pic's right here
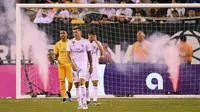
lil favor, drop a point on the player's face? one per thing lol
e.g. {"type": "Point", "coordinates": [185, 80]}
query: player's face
{"type": "Point", "coordinates": [76, 33]}
{"type": "Point", "coordinates": [90, 37]}
{"type": "Point", "coordinates": [63, 34]}
{"type": "Point", "coordinates": [140, 36]}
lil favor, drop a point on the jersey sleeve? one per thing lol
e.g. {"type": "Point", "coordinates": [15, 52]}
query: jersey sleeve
{"type": "Point", "coordinates": [56, 51]}
{"type": "Point", "coordinates": [88, 46]}
{"type": "Point", "coordinates": [69, 43]}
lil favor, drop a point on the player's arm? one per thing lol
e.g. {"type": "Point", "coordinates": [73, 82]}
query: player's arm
{"type": "Point", "coordinates": [100, 47]}
{"type": "Point", "coordinates": [56, 52]}
{"type": "Point", "coordinates": [89, 54]}
{"type": "Point", "coordinates": [190, 51]}
{"type": "Point", "coordinates": [190, 54]}
{"type": "Point", "coordinates": [90, 61]}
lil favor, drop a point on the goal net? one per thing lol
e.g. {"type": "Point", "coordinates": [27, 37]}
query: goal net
{"type": "Point", "coordinates": [116, 27]}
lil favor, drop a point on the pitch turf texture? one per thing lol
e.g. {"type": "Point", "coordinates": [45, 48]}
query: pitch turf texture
{"type": "Point", "coordinates": [106, 105]}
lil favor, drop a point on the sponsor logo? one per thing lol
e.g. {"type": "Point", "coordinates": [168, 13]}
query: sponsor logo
{"type": "Point", "coordinates": [153, 86]}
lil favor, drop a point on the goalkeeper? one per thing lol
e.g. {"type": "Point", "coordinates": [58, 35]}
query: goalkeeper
{"type": "Point", "coordinates": [64, 67]}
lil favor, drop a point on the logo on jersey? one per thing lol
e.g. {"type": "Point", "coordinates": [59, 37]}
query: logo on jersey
{"type": "Point", "coordinates": [73, 42]}
{"type": "Point", "coordinates": [82, 45]}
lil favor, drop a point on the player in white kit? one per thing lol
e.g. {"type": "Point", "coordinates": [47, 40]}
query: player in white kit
{"type": "Point", "coordinates": [79, 53]}
{"type": "Point", "coordinates": [95, 48]}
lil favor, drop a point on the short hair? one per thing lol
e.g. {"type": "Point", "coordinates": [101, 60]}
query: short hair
{"type": "Point", "coordinates": [76, 27]}
{"type": "Point", "coordinates": [183, 38]}
{"type": "Point", "coordinates": [141, 32]}
{"type": "Point", "coordinates": [62, 29]}
{"type": "Point", "coordinates": [92, 32]}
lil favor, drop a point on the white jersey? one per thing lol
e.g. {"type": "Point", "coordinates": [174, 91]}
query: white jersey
{"type": "Point", "coordinates": [79, 49]}
{"type": "Point", "coordinates": [94, 52]}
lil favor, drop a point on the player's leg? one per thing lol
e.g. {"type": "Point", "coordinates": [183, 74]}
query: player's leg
{"type": "Point", "coordinates": [70, 81]}
{"type": "Point", "coordinates": [61, 74]}
{"type": "Point", "coordinates": [78, 95]}
{"type": "Point", "coordinates": [82, 77]}
{"type": "Point", "coordinates": [87, 87]}
{"type": "Point", "coordinates": [95, 78]}
{"type": "Point", "coordinates": [95, 91]}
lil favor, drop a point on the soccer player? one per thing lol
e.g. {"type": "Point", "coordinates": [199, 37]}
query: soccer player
{"type": "Point", "coordinates": [79, 53]}
{"type": "Point", "coordinates": [64, 67]}
{"type": "Point", "coordinates": [185, 51]}
{"type": "Point", "coordinates": [96, 46]}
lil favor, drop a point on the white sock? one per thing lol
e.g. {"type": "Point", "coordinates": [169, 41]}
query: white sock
{"type": "Point", "coordinates": [78, 96]}
{"type": "Point", "coordinates": [87, 94]}
{"type": "Point", "coordinates": [95, 93]}
{"type": "Point", "coordinates": [83, 92]}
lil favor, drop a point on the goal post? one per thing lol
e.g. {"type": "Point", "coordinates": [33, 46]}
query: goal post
{"type": "Point", "coordinates": [19, 31]}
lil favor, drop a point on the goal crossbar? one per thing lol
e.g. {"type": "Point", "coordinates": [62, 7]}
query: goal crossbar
{"type": "Point", "coordinates": [177, 5]}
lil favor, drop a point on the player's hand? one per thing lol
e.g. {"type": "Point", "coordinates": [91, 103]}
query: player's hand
{"type": "Point", "coordinates": [91, 69]}
{"type": "Point", "coordinates": [94, 38]}
{"type": "Point", "coordinates": [74, 67]}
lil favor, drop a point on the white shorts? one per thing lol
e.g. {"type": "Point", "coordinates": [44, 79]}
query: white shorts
{"type": "Point", "coordinates": [93, 76]}
{"type": "Point", "coordinates": [80, 74]}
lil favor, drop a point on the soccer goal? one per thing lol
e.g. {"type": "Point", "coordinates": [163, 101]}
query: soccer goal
{"type": "Point", "coordinates": [116, 26]}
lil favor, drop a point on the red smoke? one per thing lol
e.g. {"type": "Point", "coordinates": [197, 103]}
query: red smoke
{"type": "Point", "coordinates": [174, 77]}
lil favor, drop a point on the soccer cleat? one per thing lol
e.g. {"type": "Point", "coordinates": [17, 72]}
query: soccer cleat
{"type": "Point", "coordinates": [85, 106]}
{"type": "Point", "coordinates": [64, 100]}
{"type": "Point", "coordinates": [69, 96]}
{"type": "Point", "coordinates": [79, 107]}
{"type": "Point", "coordinates": [88, 102]}
{"type": "Point", "coordinates": [95, 103]}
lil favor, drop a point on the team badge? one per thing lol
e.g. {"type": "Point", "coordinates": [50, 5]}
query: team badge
{"type": "Point", "coordinates": [73, 42]}
{"type": "Point", "coordinates": [82, 45]}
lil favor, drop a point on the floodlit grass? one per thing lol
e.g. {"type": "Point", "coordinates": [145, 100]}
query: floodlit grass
{"type": "Point", "coordinates": [106, 105]}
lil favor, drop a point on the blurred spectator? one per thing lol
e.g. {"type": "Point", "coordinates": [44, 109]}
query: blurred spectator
{"type": "Point", "coordinates": [191, 13]}
{"type": "Point", "coordinates": [103, 19]}
{"type": "Point", "coordinates": [138, 19]}
{"type": "Point", "coordinates": [135, 1]}
{"type": "Point", "coordinates": [110, 12]}
{"type": "Point", "coordinates": [95, 1]}
{"type": "Point", "coordinates": [122, 18]}
{"type": "Point", "coordinates": [76, 18]}
{"type": "Point", "coordinates": [139, 11]}
{"type": "Point", "coordinates": [44, 16]}
{"type": "Point", "coordinates": [126, 11]}
{"type": "Point", "coordinates": [156, 12]}
{"type": "Point", "coordinates": [61, 2]}
{"type": "Point", "coordinates": [181, 11]}
{"type": "Point", "coordinates": [175, 14]}
{"type": "Point", "coordinates": [141, 49]}
{"type": "Point", "coordinates": [63, 15]}
{"type": "Point", "coordinates": [141, 1]}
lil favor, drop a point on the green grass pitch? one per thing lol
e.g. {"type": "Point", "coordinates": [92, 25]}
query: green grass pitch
{"type": "Point", "coordinates": [106, 105]}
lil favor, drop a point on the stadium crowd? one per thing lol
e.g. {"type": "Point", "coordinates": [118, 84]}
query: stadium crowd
{"type": "Point", "coordinates": [113, 15]}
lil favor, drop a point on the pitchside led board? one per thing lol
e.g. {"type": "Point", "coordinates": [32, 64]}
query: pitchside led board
{"type": "Point", "coordinates": [146, 79]}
